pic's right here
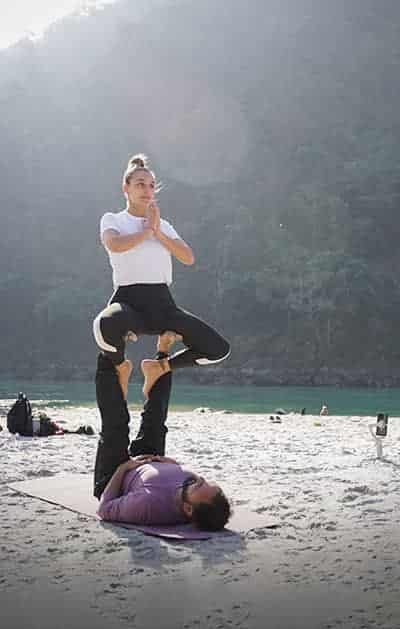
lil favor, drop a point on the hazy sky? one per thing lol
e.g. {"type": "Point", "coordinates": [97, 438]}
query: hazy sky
{"type": "Point", "coordinates": [19, 17]}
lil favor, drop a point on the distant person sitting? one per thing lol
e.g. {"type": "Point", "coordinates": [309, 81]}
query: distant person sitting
{"type": "Point", "coordinates": [324, 410]}
{"type": "Point", "coordinates": [148, 488]}
{"type": "Point", "coordinates": [21, 421]}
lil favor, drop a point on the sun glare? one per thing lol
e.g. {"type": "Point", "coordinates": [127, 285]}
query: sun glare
{"type": "Point", "coordinates": [24, 18]}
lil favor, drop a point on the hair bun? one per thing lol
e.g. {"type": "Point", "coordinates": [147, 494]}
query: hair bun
{"type": "Point", "coordinates": [138, 160]}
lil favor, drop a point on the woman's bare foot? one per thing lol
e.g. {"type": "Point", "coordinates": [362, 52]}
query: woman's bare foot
{"type": "Point", "coordinates": [152, 371]}
{"type": "Point", "coordinates": [124, 371]}
{"type": "Point", "coordinates": [166, 340]}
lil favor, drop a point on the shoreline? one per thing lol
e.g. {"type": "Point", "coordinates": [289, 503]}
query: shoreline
{"type": "Point", "coordinates": [248, 399]}
{"type": "Point", "coordinates": [53, 406]}
{"type": "Point", "coordinates": [257, 376]}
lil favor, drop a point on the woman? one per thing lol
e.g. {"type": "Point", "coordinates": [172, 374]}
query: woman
{"type": "Point", "coordinates": [140, 245]}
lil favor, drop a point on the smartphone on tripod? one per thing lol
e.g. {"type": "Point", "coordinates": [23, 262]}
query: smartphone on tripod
{"type": "Point", "coordinates": [382, 424]}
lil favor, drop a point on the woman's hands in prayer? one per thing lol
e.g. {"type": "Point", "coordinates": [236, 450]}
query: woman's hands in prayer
{"type": "Point", "coordinates": [153, 218]}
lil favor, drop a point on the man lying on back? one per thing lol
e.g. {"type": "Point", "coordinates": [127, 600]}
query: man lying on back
{"type": "Point", "coordinates": [137, 483]}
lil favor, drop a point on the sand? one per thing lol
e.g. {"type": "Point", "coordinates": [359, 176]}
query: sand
{"type": "Point", "coordinates": [333, 562]}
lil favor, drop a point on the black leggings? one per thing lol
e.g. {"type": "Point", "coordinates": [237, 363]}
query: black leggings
{"type": "Point", "coordinates": [113, 447]}
{"type": "Point", "coordinates": [150, 309]}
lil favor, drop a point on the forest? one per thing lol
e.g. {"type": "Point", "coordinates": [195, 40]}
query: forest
{"type": "Point", "coordinates": [274, 129]}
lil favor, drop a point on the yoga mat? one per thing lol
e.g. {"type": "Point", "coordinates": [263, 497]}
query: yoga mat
{"type": "Point", "coordinates": [74, 492]}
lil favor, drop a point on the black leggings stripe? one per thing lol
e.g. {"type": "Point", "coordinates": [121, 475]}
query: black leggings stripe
{"type": "Point", "coordinates": [150, 309]}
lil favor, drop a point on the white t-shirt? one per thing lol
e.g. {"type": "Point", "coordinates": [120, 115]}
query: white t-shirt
{"type": "Point", "coordinates": [146, 263]}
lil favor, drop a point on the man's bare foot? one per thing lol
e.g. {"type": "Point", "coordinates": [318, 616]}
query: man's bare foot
{"type": "Point", "coordinates": [124, 371]}
{"type": "Point", "coordinates": [152, 371]}
{"type": "Point", "coordinates": [166, 341]}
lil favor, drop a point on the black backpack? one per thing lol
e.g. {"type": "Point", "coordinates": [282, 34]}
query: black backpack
{"type": "Point", "coordinates": [19, 417]}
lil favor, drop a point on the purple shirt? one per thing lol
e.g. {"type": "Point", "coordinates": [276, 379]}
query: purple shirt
{"type": "Point", "coordinates": [148, 496]}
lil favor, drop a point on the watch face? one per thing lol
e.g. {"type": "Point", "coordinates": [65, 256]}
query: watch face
{"type": "Point", "coordinates": [381, 425]}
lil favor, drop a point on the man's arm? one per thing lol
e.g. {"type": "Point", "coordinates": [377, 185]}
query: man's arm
{"type": "Point", "coordinates": [134, 508]}
{"type": "Point", "coordinates": [113, 487]}
{"type": "Point", "coordinates": [117, 508]}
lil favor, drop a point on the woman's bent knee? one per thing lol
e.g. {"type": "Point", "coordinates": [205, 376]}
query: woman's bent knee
{"type": "Point", "coordinates": [110, 328]}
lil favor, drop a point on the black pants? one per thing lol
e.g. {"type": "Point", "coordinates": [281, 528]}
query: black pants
{"type": "Point", "coordinates": [150, 309]}
{"type": "Point", "coordinates": [113, 448]}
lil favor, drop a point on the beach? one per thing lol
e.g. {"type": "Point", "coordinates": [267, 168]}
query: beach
{"type": "Point", "coordinates": [334, 560]}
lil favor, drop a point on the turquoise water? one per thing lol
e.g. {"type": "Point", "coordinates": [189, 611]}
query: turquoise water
{"type": "Point", "coordinates": [241, 399]}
